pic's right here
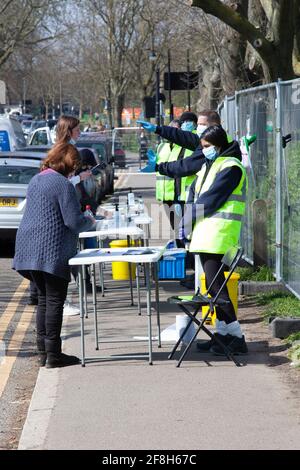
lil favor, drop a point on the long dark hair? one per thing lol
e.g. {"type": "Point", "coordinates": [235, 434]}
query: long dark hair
{"type": "Point", "coordinates": [216, 136]}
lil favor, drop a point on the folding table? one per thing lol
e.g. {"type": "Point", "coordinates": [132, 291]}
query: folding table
{"type": "Point", "coordinates": [96, 256]}
{"type": "Point", "coordinates": [109, 229]}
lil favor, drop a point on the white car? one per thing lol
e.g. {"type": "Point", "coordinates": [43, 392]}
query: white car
{"type": "Point", "coordinates": [42, 136]}
{"type": "Point", "coordinates": [15, 174]}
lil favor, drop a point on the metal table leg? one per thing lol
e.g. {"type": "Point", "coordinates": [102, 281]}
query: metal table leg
{"type": "Point", "coordinates": [138, 288]}
{"type": "Point", "coordinates": [130, 274]}
{"type": "Point", "coordinates": [147, 275]}
{"type": "Point", "coordinates": [155, 271]}
{"type": "Point", "coordinates": [84, 291]}
{"type": "Point", "coordinates": [81, 304]}
{"type": "Point", "coordinates": [93, 273]}
{"type": "Point", "coordinates": [81, 242]}
{"type": "Point", "coordinates": [101, 270]}
{"type": "Point", "coordinates": [146, 234]}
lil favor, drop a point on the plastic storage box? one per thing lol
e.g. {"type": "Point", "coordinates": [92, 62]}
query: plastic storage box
{"type": "Point", "coordinates": [172, 265]}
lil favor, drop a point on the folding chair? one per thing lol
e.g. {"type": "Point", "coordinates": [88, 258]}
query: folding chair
{"type": "Point", "coordinates": [197, 301]}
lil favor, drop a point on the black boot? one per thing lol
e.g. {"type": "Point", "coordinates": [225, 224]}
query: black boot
{"type": "Point", "coordinates": [60, 360]}
{"type": "Point", "coordinates": [42, 355]}
{"type": "Point", "coordinates": [205, 346]}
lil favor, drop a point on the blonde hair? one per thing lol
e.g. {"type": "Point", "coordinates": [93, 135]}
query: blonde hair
{"type": "Point", "coordinates": [63, 158]}
{"type": "Point", "coordinates": [64, 128]}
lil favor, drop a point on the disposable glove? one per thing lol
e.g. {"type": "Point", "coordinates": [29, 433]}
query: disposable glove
{"type": "Point", "coordinates": [150, 168]}
{"type": "Point", "coordinates": [178, 210]}
{"type": "Point", "coordinates": [151, 156]}
{"type": "Point", "coordinates": [147, 125]}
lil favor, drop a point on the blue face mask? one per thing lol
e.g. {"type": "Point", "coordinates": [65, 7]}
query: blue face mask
{"type": "Point", "coordinates": [210, 152]}
{"type": "Point", "coordinates": [188, 126]}
{"type": "Point", "coordinates": [72, 141]}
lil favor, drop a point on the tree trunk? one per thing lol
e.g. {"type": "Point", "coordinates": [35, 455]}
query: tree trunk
{"type": "Point", "coordinates": [46, 110]}
{"type": "Point", "coordinates": [118, 109]}
{"type": "Point", "coordinates": [210, 87]}
{"type": "Point", "coordinates": [276, 52]}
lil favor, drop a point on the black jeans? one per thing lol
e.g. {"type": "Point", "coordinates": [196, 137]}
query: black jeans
{"type": "Point", "coordinates": [211, 263]}
{"type": "Point", "coordinates": [52, 293]}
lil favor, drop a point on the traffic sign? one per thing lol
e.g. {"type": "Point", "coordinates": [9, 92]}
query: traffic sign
{"type": "Point", "coordinates": [181, 80]}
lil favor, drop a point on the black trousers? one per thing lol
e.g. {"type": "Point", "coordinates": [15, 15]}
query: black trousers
{"type": "Point", "coordinates": [211, 263]}
{"type": "Point", "coordinates": [33, 291]}
{"type": "Point", "coordinates": [52, 293]}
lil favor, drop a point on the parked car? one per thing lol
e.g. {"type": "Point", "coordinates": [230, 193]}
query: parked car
{"type": "Point", "coordinates": [101, 144]}
{"type": "Point", "coordinates": [119, 154]}
{"type": "Point", "coordinates": [42, 136]}
{"type": "Point", "coordinates": [36, 123]}
{"type": "Point", "coordinates": [37, 148]}
{"type": "Point", "coordinates": [15, 174]}
{"type": "Point", "coordinates": [95, 185]}
{"type": "Point", "coordinates": [25, 117]}
{"type": "Point", "coordinates": [11, 134]}
{"type": "Point", "coordinates": [26, 127]}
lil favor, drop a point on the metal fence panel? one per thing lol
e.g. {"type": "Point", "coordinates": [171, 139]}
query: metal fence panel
{"type": "Point", "coordinates": [272, 112]}
{"type": "Point", "coordinates": [290, 189]}
{"type": "Point", "coordinates": [257, 115]}
{"type": "Point", "coordinates": [231, 124]}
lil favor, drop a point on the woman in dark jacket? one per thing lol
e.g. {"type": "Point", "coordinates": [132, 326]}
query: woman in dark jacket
{"type": "Point", "coordinates": [46, 240]}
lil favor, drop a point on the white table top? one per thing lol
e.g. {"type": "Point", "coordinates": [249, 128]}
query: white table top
{"type": "Point", "coordinates": [142, 219]}
{"type": "Point", "coordinates": [103, 255]}
{"type": "Point", "coordinates": [113, 231]}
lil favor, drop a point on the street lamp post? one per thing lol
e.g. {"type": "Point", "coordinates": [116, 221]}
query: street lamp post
{"type": "Point", "coordinates": [169, 86]}
{"type": "Point", "coordinates": [157, 100]}
{"type": "Point", "coordinates": [60, 98]}
{"type": "Point", "coordinates": [153, 58]}
{"type": "Point", "coordinates": [24, 96]}
{"type": "Point", "coordinates": [188, 80]}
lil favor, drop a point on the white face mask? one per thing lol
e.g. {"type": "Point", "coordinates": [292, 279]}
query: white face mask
{"type": "Point", "coordinates": [200, 129]}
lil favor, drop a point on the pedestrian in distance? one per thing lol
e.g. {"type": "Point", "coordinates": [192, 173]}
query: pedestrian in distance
{"type": "Point", "coordinates": [68, 131]}
{"type": "Point", "coordinates": [220, 190]}
{"type": "Point", "coordinates": [46, 239]}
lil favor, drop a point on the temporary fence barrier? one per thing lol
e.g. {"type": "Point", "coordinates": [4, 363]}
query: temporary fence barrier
{"type": "Point", "coordinates": [272, 112]}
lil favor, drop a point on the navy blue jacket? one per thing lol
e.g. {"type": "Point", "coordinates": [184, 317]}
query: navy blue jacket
{"type": "Point", "coordinates": [187, 166]}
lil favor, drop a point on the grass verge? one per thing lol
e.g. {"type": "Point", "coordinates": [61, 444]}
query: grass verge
{"type": "Point", "coordinates": [278, 304]}
{"type": "Point", "coordinates": [263, 274]}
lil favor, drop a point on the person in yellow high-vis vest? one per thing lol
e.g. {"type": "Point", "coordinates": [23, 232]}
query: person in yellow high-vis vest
{"type": "Point", "coordinates": [164, 190]}
{"type": "Point", "coordinates": [213, 224]}
{"type": "Point", "coordinates": [172, 191]}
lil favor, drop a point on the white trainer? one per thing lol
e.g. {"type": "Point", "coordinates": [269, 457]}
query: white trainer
{"type": "Point", "coordinates": [70, 309]}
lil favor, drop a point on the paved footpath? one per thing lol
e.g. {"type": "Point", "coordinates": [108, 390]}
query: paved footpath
{"type": "Point", "coordinates": [207, 403]}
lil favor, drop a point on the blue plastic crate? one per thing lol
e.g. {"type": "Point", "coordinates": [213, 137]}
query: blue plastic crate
{"type": "Point", "coordinates": [172, 266]}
